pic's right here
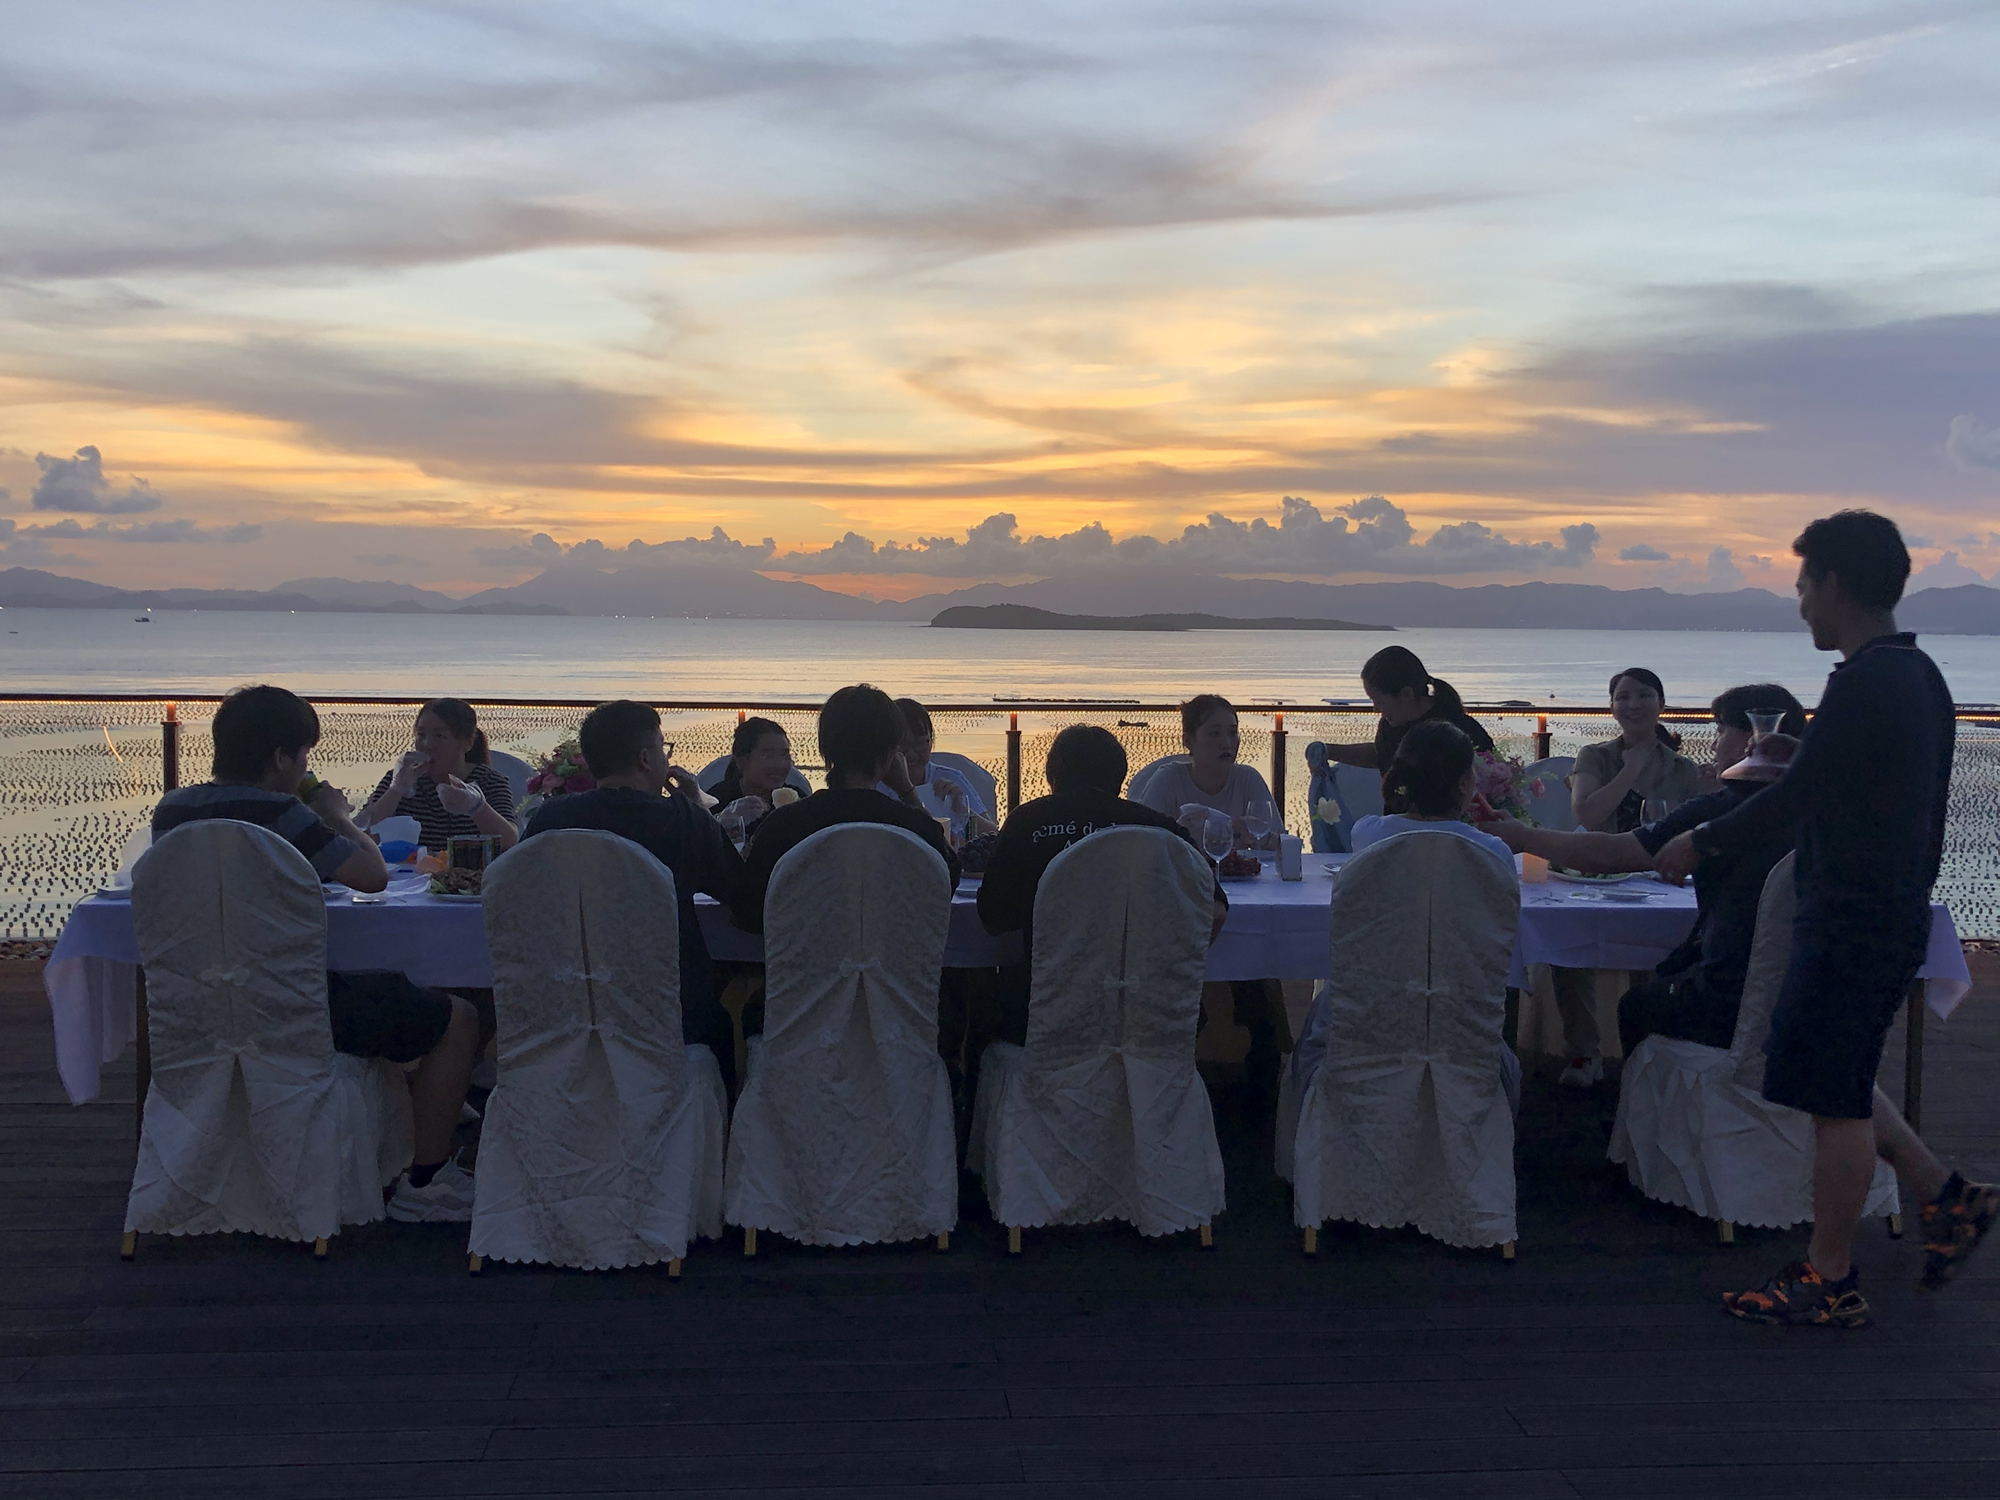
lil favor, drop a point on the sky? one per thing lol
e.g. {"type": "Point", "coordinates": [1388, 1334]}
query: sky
{"type": "Point", "coordinates": [904, 297]}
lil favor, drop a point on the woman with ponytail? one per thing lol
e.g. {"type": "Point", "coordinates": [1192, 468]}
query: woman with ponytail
{"type": "Point", "coordinates": [1405, 694]}
{"type": "Point", "coordinates": [444, 782]}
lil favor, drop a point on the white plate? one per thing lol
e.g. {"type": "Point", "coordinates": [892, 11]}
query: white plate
{"type": "Point", "coordinates": [1593, 879]}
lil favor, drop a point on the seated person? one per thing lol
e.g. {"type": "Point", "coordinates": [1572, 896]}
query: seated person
{"type": "Point", "coordinates": [1086, 769]}
{"type": "Point", "coordinates": [445, 783]}
{"type": "Point", "coordinates": [1212, 776]}
{"type": "Point", "coordinates": [1695, 993]}
{"type": "Point", "coordinates": [263, 738]}
{"type": "Point", "coordinates": [760, 761]}
{"type": "Point", "coordinates": [1429, 788]}
{"type": "Point", "coordinates": [861, 741]}
{"type": "Point", "coordinates": [622, 745]}
{"type": "Point", "coordinates": [944, 791]}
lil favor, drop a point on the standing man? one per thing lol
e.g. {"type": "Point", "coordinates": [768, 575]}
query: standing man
{"type": "Point", "coordinates": [1866, 800]}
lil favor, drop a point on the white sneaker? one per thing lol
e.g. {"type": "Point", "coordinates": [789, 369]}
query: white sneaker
{"type": "Point", "coordinates": [445, 1199]}
{"type": "Point", "coordinates": [1582, 1073]}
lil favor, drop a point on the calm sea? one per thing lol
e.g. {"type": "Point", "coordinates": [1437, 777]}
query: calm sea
{"type": "Point", "coordinates": [85, 651]}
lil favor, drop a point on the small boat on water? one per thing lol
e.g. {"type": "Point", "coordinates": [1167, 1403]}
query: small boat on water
{"type": "Point", "coordinates": [142, 619]}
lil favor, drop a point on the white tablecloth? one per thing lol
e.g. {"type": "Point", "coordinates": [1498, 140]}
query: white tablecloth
{"type": "Point", "coordinates": [1277, 930]}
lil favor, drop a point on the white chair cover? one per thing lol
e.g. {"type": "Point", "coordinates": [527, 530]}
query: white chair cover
{"type": "Point", "coordinates": [1553, 808]}
{"type": "Point", "coordinates": [1358, 790]}
{"type": "Point", "coordinates": [1135, 789]}
{"type": "Point", "coordinates": [602, 1145]}
{"type": "Point", "coordinates": [977, 776]}
{"type": "Point", "coordinates": [253, 1122]}
{"type": "Point", "coordinates": [1102, 1115]}
{"type": "Point", "coordinates": [1398, 1084]}
{"type": "Point", "coordinates": [843, 1134]}
{"type": "Point", "coordinates": [516, 772]}
{"type": "Point", "coordinates": [1693, 1126]}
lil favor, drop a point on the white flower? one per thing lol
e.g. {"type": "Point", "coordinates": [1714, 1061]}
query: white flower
{"type": "Point", "coordinates": [1327, 810]}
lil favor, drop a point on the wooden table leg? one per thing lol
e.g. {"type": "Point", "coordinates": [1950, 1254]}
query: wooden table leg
{"type": "Point", "coordinates": [1913, 1058]}
{"type": "Point", "coordinates": [143, 1036]}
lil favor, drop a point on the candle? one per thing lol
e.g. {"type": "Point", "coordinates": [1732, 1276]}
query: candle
{"type": "Point", "coordinates": [1013, 723]}
{"type": "Point", "coordinates": [1279, 726]}
{"type": "Point", "coordinates": [741, 715]}
{"type": "Point", "coordinates": [1541, 723]}
{"type": "Point", "coordinates": [173, 713]}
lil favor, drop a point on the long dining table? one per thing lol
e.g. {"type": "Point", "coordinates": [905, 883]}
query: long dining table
{"type": "Point", "coordinates": [1277, 929]}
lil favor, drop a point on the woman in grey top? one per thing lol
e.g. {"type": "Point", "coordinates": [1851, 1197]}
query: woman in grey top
{"type": "Point", "coordinates": [1609, 789]}
{"type": "Point", "coordinates": [1212, 775]}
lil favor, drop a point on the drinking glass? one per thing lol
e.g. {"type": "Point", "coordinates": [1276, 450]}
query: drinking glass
{"type": "Point", "coordinates": [1762, 724]}
{"type": "Point", "coordinates": [1217, 838]}
{"type": "Point", "coordinates": [732, 826]}
{"type": "Point", "coordinates": [1260, 819]}
{"type": "Point", "coordinates": [1652, 809]}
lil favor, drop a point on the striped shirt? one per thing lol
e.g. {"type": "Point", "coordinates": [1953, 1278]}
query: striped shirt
{"type": "Point", "coordinates": [282, 813]}
{"type": "Point", "coordinates": [438, 825]}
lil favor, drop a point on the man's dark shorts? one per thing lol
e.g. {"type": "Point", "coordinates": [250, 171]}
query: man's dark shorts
{"type": "Point", "coordinates": [1840, 998]}
{"type": "Point", "coordinates": [380, 1013]}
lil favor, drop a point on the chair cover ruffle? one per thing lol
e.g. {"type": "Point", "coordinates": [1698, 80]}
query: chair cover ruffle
{"type": "Point", "coordinates": [253, 1122]}
{"type": "Point", "coordinates": [603, 1138]}
{"type": "Point", "coordinates": [843, 1133]}
{"type": "Point", "coordinates": [1102, 1115]}
{"type": "Point", "coordinates": [1693, 1128]}
{"type": "Point", "coordinates": [1394, 1109]}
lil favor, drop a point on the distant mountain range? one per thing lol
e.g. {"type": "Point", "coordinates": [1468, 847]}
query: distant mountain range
{"type": "Point", "coordinates": [1024, 617]}
{"type": "Point", "coordinates": [739, 593]}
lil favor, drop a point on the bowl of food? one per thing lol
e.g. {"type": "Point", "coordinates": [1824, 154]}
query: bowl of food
{"type": "Point", "coordinates": [1239, 864]}
{"type": "Point", "coordinates": [457, 884]}
{"type": "Point", "coordinates": [975, 854]}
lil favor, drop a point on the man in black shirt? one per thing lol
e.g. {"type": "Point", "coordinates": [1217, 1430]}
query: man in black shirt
{"type": "Point", "coordinates": [1086, 768]}
{"type": "Point", "coordinates": [1865, 799]}
{"type": "Point", "coordinates": [860, 739]}
{"type": "Point", "coordinates": [622, 744]}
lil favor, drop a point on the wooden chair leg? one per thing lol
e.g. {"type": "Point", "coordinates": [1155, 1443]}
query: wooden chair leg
{"type": "Point", "coordinates": [1725, 1232]}
{"type": "Point", "coordinates": [319, 1248]}
{"type": "Point", "coordinates": [128, 1246]}
{"type": "Point", "coordinates": [674, 1269]}
{"type": "Point", "coordinates": [1013, 1239]}
{"type": "Point", "coordinates": [474, 1264]}
{"type": "Point", "coordinates": [749, 1242]}
{"type": "Point", "coordinates": [1507, 1252]}
{"type": "Point", "coordinates": [1207, 1232]}
{"type": "Point", "coordinates": [944, 1242]}
{"type": "Point", "coordinates": [1895, 1226]}
{"type": "Point", "coordinates": [1311, 1245]}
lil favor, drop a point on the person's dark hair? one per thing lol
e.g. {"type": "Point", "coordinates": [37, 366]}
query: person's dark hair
{"type": "Point", "coordinates": [1396, 668]}
{"type": "Point", "coordinates": [614, 736]}
{"type": "Point", "coordinates": [1428, 770]}
{"type": "Point", "coordinates": [748, 734]}
{"type": "Point", "coordinates": [463, 721]}
{"type": "Point", "coordinates": [255, 723]}
{"type": "Point", "coordinates": [1087, 757]}
{"type": "Point", "coordinates": [1863, 550]}
{"type": "Point", "coordinates": [916, 718]}
{"type": "Point", "coordinates": [1198, 710]}
{"type": "Point", "coordinates": [1651, 679]}
{"type": "Point", "coordinates": [859, 728]}
{"type": "Point", "coordinates": [1733, 708]}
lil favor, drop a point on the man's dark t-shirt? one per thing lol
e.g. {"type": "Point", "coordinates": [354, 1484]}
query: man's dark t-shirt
{"type": "Point", "coordinates": [785, 828]}
{"type": "Point", "coordinates": [1708, 969]}
{"type": "Point", "coordinates": [1032, 837]}
{"type": "Point", "coordinates": [690, 844]}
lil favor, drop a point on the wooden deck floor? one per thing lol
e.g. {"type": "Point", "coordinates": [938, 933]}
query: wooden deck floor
{"type": "Point", "coordinates": [1098, 1364]}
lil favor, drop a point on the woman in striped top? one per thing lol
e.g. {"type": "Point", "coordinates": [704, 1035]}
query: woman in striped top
{"type": "Point", "coordinates": [444, 782]}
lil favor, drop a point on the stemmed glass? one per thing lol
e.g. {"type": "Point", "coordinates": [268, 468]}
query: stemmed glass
{"type": "Point", "coordinates": [1217, 837]}
{"type": "Point", "coordinates": [1763, 725]}
{"type": "Point", "coordinates": [1260, 819]}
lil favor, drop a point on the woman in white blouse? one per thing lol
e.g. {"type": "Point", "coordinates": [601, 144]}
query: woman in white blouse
{"type": "Point", "coordinates": [1212, 776]}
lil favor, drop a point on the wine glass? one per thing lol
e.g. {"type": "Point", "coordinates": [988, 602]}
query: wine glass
{"type": "Point", "coordinates": [732, 821]}
{"type": "Point", "coordinates": [1260, 819]}
{"type": "Point", "coordinates": [1763, 724]}
{"type": "Point", "coordinates": [1653, 809]}
{"type": "Point", "coordinates": [1217, 838]}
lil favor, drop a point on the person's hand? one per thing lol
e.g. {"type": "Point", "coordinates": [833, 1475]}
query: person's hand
{"type": "Point", "coordinates": [331, 803]}
{"type": "Point", "coordinates": [897, 778]}
{"type": "Point", "coordinates": [460, 796]}
{"type": "Point", "coordinates": [1510, 831]}
{"type": "Point", "coordinates": [682, 783]}
{"type": "Point", "coordinates": [404, 779]}
{"type": "Point", "coordinates": [1677, 859]}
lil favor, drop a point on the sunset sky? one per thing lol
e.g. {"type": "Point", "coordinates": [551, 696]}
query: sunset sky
{"type": "Point", "coordinates": [439, 292]}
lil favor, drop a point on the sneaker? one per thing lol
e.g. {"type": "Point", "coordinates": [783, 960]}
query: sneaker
{"type": "Point", "coordinates": [1954, 1224]}
{"type": "Point", "coordinates": [1582, 1073]}
{"type": "Point", "coordinates": [445, 1199]}
{"type": "Point", "coordinates": [1800, 1295]}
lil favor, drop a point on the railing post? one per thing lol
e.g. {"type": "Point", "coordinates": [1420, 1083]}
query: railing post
{"type": "Point", "coordinates": [1013, 761]}
{"type": "Point", "coordinates": [1278, 765]}
{"type": "Point", "coordinates": [170, 748]}
{"type": "Point", "coordinates": [1541, 736]}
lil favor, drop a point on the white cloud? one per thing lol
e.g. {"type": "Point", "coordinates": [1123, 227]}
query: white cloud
{"type": "Point", "coordinates": [1973, 445]}
{"type": "Point", "coordinates": [1948, 572]}
{"type": "Point", "coordinates": [1643, 552]}
{"type": "Point", "coordinates": [78, 484]}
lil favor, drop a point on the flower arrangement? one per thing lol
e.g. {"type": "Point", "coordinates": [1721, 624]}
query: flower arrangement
{"type": "Point", "coordinates": [561, 772]}
{"type": "Point", "coordinates": [1502, 788]}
